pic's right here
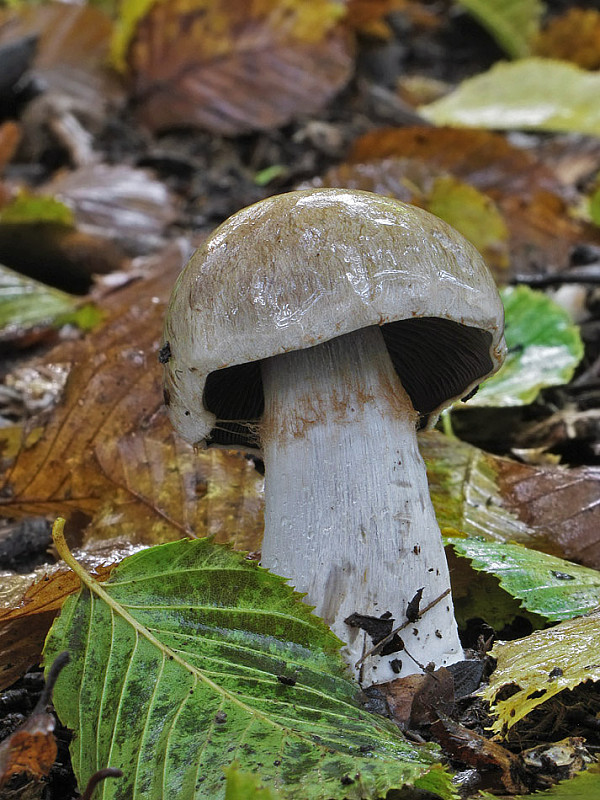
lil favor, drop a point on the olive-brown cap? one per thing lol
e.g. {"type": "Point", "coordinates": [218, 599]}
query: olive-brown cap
{"type": "Point", "coordinates": [300, 268]}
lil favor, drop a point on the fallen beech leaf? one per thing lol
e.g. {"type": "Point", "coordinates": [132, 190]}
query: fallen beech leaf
{"type": "Point", "coordinates": [71, 66]}
{"type": "Point", "coordinates": [573, 36]}
{"type": "Point", "coordinates": [113, 389]}
{"type": "Point", "coordinates": [163, 489]}
{"type": "Point", "coordinates": [24, 626]}
{"type": "Point", "coordinates": [31, 749]}
{"type": "Point", "coordinates": [474, 215]}
{"type": "Point", "coordinates": [516, 95]}
{"type": "Point", "coordinates": [553, 509]}
{"type": "Point", "coordinates": [109, 452]}
{"type": "Point", "coordinates": [119, 203]}
{"type": "Point", "coordinates": [542, 665]}
{"type": "Point", "coordinates": [416, 699]}
{"type": "Point", "coordinates": [561, 505]}
{"type": "Point", "coordinates": [532, 200]}
{"type": "Point", "coordinates": [232, 67]}
{"type": "Point", "coordinates": [10, 136]}
{"type": "Point", "coordinates": [72, 45]}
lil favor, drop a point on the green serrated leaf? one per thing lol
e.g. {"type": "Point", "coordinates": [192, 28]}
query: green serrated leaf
{"type": "Point", "coordinates": [25, 303]}
{"type": "Point", "coordinates": [542, 665]}
{"type": "Point", "coordinates": [191, 657]}
{"type": "Point", "coordinates": [515, 95]}
{"type": "Point", "coordinates": [27, 208]}
{"type": "Point", "coordinates": [512, 23]}
{"type": "Point", "coordinates": [246, 786]}
{"type": "Point", "coordinates": [551, 587]}
{"type": "Point", "coordinates": [544, 348]}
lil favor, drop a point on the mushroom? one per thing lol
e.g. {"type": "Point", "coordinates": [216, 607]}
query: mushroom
{"type": "Point", "coordinates": [320, 326]}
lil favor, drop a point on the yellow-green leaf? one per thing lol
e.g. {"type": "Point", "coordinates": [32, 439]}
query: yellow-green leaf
{"type": "Point", "coordinates": [542, 665]}
{"type": "Point", "coordinates": [473, 214]}
{"type": "Point", "coordinates": [532, 94]}
{"type": "Point", "coordinates": [31, 208]}
{"type": "Point", "coordinates": [512, 23]}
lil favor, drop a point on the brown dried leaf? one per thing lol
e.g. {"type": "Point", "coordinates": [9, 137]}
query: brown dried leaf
{"type": "Point", "coordinates": [550, 508]}
{"type": "Point", "coordinates": [119, 203]}
{"type": "Point", "coordinates": [414, 700]}
{"type": "Point", "coordinates": [31, 749]}
{"type": "Point", "coordinates": [108, 451]}
{"type": "Point", "coordinates": [113, 389]}
{"type": "Point", "coordinates": [162, 490]}
{"type": "Point", "coordinates": [23, 628]}
{"type": "Point", "coordinates": [10, 136]}
{"type": "Point", "coordinates": [561, 505]}
{"type": "Point", "coordinates": [480, 753]}
{"type": "Point", "coordinates": [233, 67]}
{"type": "Point", "coordinates": [530, 197]}
{"type": "Point", "coordinates": [573, 36]}
{"type": "Point", "coordinates": [72, 48]}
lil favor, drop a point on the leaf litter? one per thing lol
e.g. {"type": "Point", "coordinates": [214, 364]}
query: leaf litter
{"type": "Point", "coordinates": [130, 474]}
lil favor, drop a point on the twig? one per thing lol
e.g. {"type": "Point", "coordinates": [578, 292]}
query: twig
{"type": "Point", "coordinates": [376, 648]}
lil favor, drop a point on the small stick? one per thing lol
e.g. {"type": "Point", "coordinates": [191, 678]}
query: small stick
{"type": "Point", "coordinates": [376, 648]}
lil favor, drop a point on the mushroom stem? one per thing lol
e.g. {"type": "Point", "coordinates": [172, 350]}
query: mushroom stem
{"type": "Point", "coordinates": [348, 518]}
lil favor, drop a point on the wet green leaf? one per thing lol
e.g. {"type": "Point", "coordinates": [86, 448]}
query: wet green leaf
{"type": "Point", "coordinates": [516, 95]}
{"type": "Point", "coordinates": [190, 658]}
{"type": "Point", "coordinates": [246, 786]}
{"type": "Point", "coordinates": [29, 208]}
{"type": "Point", "coordinates": [512, 23]}
{"type": "Point", "coordinates": [25, 304]}
{"type": "Point", "coordinates": [544, 348]}
{"type": "Point", "coordinates": [551, 587]}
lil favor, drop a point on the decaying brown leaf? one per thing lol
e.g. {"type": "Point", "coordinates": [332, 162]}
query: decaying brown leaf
{"type": "Point", "coordinates": [232, 67]}
{"type": "Point", "coordinates": [562, 505]}
{"type": "Point", "coordinates": [550, 508]}
{"type": "Point", "coordinates": [416, 699]}
{"type": "Point", "coordinates": [71, 63]}
{"type": "Point", "coordinates": [572, 36]}
{"type": "Point", "coordinates": [484, 755]}
{"type": "Point", "coordinates": [117, 202]}
{"type": "Point", "coordinates": [31, 749]}
{"type": "Point", "coordinates": [162, 490]}
{"type": "Point", "coordinates": [23, 628]}
{"type": "Point", "coordinates": [108, 452]}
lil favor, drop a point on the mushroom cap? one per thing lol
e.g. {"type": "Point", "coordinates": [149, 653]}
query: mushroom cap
{"type": "Point", "coordinates": [300, 268]}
